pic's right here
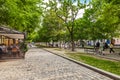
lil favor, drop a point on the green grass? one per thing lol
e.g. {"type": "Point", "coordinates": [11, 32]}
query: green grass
{"type": "Point", "coordinates": [107, 65]}
{"type": "Point", "coordinates": [58, 49]}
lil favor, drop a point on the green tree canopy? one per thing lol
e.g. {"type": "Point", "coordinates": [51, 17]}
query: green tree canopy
{"type": "Point", "coordinates": [23, 15]}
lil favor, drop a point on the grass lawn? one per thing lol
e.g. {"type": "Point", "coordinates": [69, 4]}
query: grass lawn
{"type": "Point", "coordinates": [107, 65]}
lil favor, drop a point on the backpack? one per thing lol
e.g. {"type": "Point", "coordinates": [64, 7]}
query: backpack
{"type": "Point", "coordinates": [111, 45]}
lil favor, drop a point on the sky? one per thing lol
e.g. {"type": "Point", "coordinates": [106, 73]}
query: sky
{"type": "Point", "coordinates": [82, 1]}
{"type": "Point", "coordinates": [87, 1]}
{"type": "Point", "coordinates": [81, 12]}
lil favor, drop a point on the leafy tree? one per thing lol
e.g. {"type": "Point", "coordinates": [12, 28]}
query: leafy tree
{"type": "Point", "coordinates": [81, 29]}
{"type": "Point", "coordinates": [52, 27]}
{"type": "Point", "coordinates": [101, 19]}
{"type": "Point", "coordinates": [110, 17]}
{"type": "Point", "coordinates": [67, 11]}
{"type": "Point", "coordinates": [23, 15]}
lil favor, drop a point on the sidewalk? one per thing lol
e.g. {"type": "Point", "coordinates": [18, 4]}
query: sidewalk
{"type": "Point", "coordinates": [61, 53]}
{"type": "Point", "coordinates": [112, 56]}
{"type": "Point", "coordinates": [40, 64]}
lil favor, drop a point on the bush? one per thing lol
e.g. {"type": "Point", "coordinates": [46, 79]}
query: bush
{"type": "Point", "coordinates": [23, 47]}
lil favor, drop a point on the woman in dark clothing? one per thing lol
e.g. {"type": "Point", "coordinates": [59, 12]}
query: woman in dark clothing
{"type": "Point", "coordinates": [105, 46]}
{"type": "Point", "coordinates": [97, 47]}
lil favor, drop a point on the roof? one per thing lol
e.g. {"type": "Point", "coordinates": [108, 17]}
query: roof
{"type": "Point", "coordinates": [11, 33]}
{"type": "Point", "coordinates": [4, 29]}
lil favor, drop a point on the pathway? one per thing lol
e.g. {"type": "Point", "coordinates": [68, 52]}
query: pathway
{"type": "Point", "coordinates": [42, 65]}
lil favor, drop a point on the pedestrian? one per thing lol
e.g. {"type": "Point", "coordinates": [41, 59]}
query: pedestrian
{"type": "Point", "coordinates": [82, 44]}
{"type": "Point", "coordinates": [111, 48]}
{"type": "Point", "coordinates": [97, 47]}
{"type": "Point", "coordinates": [105, 46]}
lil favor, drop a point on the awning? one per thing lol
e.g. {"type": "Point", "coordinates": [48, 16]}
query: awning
{"type": "Point", "coordinates": [11, 33]}
{"type": "Point", "coordinates": [13, 36]}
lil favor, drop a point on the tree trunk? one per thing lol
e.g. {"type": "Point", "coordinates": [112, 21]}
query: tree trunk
{"type": "Point", "coordinates": [94, 44]}
{"type": "Point", "coordinates": [53, 44]}
{"type": "Point", "coordinates": [73, 46]}
{"type": "Point", "coordinates": [46, 44]}
{"type": "Point", "coordinates": [72, 41]}
{"type": "Point", "coordinates": [60, 44]}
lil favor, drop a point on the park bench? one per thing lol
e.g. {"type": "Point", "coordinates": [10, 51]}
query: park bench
{"type": "Point", "coordinates": [106, 51]}
{"type": "Point", "coordinates": [88, 50]}
{"type": "Point", "coordinates": [117, 50]}
{"type": "Point", "coordinates": [100, 51]}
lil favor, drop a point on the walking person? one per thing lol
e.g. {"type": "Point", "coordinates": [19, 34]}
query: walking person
{"type": "Point", "coordinates": [111, 48]}
{"type": "Point", "coordinates": [105, 46]}
{"type": "Point", "coordinates": [97, 47]}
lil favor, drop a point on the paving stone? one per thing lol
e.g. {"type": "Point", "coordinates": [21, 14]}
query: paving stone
{"type": "Point", "coordinates": [41, 65]}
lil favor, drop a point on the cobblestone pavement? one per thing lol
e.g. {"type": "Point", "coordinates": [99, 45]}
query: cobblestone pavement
{"type": "Point", "coordinates": [42, 65]}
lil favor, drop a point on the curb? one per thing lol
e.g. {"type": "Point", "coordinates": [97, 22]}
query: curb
{"type": "Point", "coordinates": [108, 74]}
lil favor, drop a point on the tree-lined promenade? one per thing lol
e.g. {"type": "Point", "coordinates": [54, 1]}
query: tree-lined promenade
{"type": "Point", "coordinates": [100, 21]}
{"type": "Point", "coordinates": [56, 20]}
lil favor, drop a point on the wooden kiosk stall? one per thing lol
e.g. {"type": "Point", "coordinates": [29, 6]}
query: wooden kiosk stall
{"type": "Point", "coordinates": [9, 38]}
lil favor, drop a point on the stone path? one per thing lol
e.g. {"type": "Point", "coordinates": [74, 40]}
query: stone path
{"type": "Point", "coordinates": [42, 65]}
